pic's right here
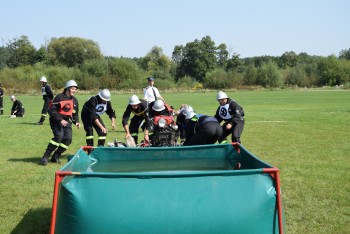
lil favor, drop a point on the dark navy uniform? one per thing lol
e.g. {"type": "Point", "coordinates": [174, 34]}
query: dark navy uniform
{"type": "Point", "coordinates": [1, 100]}
{"type": "Point", "coordinates": [47, 97]}
{"type": "Point", "coordinates": [66, 108]}
{"type": "Point", "coordinates": [140, 114]}
{"type": "Point", "coordinates": [17, 108]}
{"type": "Point", "coordinates": [91, 111]}
{"type": "Point", "coordinates": [232, 113]}
{"type": "Point", "coordinates": [202, 130]}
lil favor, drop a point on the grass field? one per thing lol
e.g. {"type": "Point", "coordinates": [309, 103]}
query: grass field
{"type": "Point", "coordinates": [305, 133]}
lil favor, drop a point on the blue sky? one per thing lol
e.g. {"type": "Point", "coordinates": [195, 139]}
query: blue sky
{"type": "Point", "coordinates": [131, 28]}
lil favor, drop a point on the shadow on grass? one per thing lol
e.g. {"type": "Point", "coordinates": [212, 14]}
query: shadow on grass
{"type": "Point", "coordinates": [31, 123]}
{"type": "Point", "coordinates": [36, 160]}
{"type": "Point", "coordinates": [35, 221]}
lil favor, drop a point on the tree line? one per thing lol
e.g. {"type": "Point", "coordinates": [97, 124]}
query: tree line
{"type": "Point", "coordinates": [200, 64]}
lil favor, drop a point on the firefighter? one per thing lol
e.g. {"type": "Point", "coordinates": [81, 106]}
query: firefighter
{"type": "Point", "coordinates": [47, 97]}
{"type": "Point", "coordinates": [1, 100]}
{"type": "Point", "coordinates": [141, 111]}
{"type": "Point", "coordinates": [232, 114]}
{"type": "Point", "coordinates": [17, 107]}
{"type": "Point", "coordinates": [201, 129]}
{"type": "Point", "coordinates": [157, 108]}
{"type": "Point", "coordinates": [63, 112]}
{"type": "Point", "coordinates": [90, 115]}
{"type": "Point", "coordinates": [181, 121]}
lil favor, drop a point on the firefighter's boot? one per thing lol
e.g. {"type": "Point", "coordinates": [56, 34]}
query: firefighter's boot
{"type": "Point", "coordinates": [54, 158]}
{"type": "Point", "coordinates": [41, 121]}
{"type": "Point", "coordinates": [44, 160]}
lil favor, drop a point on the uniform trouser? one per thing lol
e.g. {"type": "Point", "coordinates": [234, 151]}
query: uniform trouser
{"type": "Point", "coordinates": [45, 110]}
{"type": "Point", "coordinates": [180, 122]}
{"type": "Point", "coordinates": [208, 133]}
{"type": "Point", "coordinates": [1, 106]}
{"type": "Point", "coordinates": [62, 138]}
{"type": "Point", "coordinates": [236, 131]}
{"type": "Point", "coordinates": [134, 126]}
{"type": "Point", "coordinates": [88, 126]}
{"type": "Point", "coordinates": [20, 113]}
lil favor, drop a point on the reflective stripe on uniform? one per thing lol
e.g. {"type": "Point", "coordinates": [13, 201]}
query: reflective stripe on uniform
{"type": "Point", "coordinates": [64, 146]}
{"type": "Point", "coordinates": [89, 137]}
{"type": "Point", "coordinates": [102, 137]}
{"type": "Point", "coordinates": [55, 143]}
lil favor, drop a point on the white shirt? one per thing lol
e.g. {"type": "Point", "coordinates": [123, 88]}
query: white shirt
{"type": "Point", "coordinates": [148, 94]}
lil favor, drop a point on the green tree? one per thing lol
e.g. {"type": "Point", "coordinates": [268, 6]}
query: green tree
{"type": "Point", "coordinates": [125, 73]}
{"type": "Point", "coordinates": [21, 52]}
{"type": "Point", "coordinates": [288, 59]}
{"type": "Point", "coordinates": [198, 57]}
{"type": "Point", "coordinates": [95, 67]}
{"type": "Point", "coordinates": [177, 54]}
{"type": "Point", "coordinates": [250, 75]}
{"type": "Point", "coordinates": [331, 71]}
{"type": "Point", "coordinates": [234, 63]}
{"type": "Point", "coordinates": [296, 76]}
{"type": "Point", "coordinates": [344, 54]}
{"type": "Point", "coordinates": [222, 55]}
{"type": "Point", "coordinates": [72, 51]}
{"type": "Point", "coordinates": [156, 63]}
{"type": "Point", "coordinates": [4, 55]}
{"type": "Point", "coordinates": [40, 55]}
{"type": "Point", "coordinates": [217, 79]}
{"type": "Point", "coordinates": [269, 75]}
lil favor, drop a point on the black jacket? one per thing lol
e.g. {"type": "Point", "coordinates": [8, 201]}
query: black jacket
{"type": "Point", "coordinates": [57, 106]}
{"type": "Point", "coordinates": [195, 124]}
{"type": "Point", "coordinates": [142, 111]}
{"type": "Point", "coordinates": [234, 115]}
{"type": "Point", "coordinates": [17, 106]}
{"type": "Point", "coordinates": [92, 107]}
{"type": "Point", "coordinates": [47, 91]}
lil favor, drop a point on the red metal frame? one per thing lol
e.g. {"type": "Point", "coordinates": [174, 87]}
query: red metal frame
{"type": "Point", "coordinates": [59, 175]}
{"type": "Point", "coordinates": [274, 172]}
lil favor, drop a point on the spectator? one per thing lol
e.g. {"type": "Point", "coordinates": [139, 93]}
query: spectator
{"type": "Point", "coordinates": [151, 93]}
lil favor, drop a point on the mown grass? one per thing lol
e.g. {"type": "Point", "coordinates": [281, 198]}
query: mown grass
{"type": "Point", "coordinates": [305, 133]}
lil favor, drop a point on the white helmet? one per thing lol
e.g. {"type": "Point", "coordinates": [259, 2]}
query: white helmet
{"type": "Point", "coordinates": [43, 79]}
{"type": "Point", "coordinates": [221, 95]}
{"type": "Point", "coordinates": [189, 113]}
{"type": "Point", "coordinates": [158, 105]}
{"type": "Point", "coordinates": [185, 107]}
{"type": "Point", "coordinates": [71, 83]}
{"type": "Point", "coordinates": [105, 95]}
{"type": "Point", "coordinates": [134, 100]}
{"type": "Point", "coordinates": [12, 97]}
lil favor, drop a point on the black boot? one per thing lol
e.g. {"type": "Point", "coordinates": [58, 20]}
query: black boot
{"type": "Point", "coordinates": [41, 121]}
{"type": "Point", "coordinates": [54, 158]}
{"type": "Point", "coordinates": [44, 160]}
{"type": "Point", "coordinates": [50, 148]}
{"type": "Point", "coordinates": [1, 112]}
